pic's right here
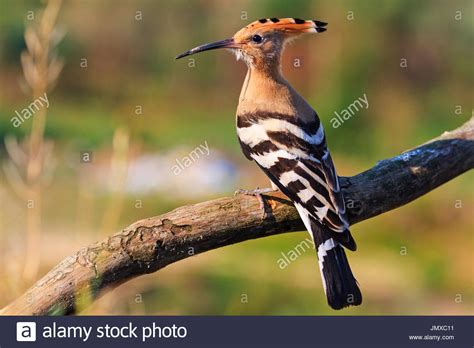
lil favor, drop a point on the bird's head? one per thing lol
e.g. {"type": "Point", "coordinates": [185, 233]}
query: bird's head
{"type": "Point", "coordinates": [262, 41]}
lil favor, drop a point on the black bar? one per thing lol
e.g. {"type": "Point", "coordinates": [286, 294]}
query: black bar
{"type": "Point", "coordinates": [340, 331]}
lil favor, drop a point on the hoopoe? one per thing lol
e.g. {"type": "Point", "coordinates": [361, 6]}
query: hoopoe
{"type": "Point", "coordinates": [280, 131]}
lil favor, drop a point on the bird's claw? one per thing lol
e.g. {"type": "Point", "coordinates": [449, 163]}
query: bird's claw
{"type": "Point", "coordinates": [258, 194]}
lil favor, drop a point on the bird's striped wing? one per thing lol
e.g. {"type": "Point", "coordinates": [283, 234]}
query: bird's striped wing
{"type": "Point", "coordinates": [295, 157]}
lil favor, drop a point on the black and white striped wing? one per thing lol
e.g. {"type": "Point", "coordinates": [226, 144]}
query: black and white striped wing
{"type": "Point", "coordinates": [295, 158]}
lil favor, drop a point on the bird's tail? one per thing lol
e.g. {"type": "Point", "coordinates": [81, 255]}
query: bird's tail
{"type": "Point", "coordinates": [339, 283]}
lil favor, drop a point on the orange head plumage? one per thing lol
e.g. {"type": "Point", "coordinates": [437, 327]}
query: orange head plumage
{"type": "Point", "coordinates": [263, 41]}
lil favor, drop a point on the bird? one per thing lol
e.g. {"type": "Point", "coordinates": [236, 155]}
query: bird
{"type": "Point", "coordinates": [283, 135]}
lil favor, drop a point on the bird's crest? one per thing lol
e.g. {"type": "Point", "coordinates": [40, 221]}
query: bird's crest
{"type": "Point", "coordinates": [288, 25]}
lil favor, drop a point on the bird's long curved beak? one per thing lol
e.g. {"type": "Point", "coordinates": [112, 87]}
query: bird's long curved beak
{"type": "Point", "coordinates": [227, 43]}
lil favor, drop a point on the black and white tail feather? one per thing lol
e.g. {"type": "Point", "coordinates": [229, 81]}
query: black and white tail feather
{"type": "Point", "coordinates": [339, 283]}
{"type": "Point", "coordinates": [294, 156]}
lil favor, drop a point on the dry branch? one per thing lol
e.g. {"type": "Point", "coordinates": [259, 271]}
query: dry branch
{"type": "Point", "coordinates": [151, 244]}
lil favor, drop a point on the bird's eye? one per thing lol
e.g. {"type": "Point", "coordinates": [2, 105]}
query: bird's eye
{"type": "Point", "coordinates": [257, 38]}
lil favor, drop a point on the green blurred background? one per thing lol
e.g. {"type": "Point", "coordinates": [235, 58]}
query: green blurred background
{"type": "Point", "coordinates": [137, 110]}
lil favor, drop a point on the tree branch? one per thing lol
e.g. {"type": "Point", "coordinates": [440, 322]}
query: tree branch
{"type": "Point", "coordinates": [151, 244]}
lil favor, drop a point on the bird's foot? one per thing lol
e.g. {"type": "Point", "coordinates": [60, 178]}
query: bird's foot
{"type": "Point", "coordinates": [258, 194]}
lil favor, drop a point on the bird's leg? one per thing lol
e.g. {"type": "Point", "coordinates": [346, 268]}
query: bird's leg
{"type": "Point", "coordinates": [258, 194]}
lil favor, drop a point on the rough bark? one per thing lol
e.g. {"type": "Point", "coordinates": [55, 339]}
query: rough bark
{"type": "Point", "coordinates": [151, 244]}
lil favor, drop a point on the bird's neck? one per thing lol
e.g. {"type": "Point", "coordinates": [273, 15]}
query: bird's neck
{"type": "Point", "coordinates": [265, 89]}
{"type": "Point", "coordinates": [269, 68]}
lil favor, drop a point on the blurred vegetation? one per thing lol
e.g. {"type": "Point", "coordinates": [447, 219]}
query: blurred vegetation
{"type": "Point", "coordinates": [131, 63]}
